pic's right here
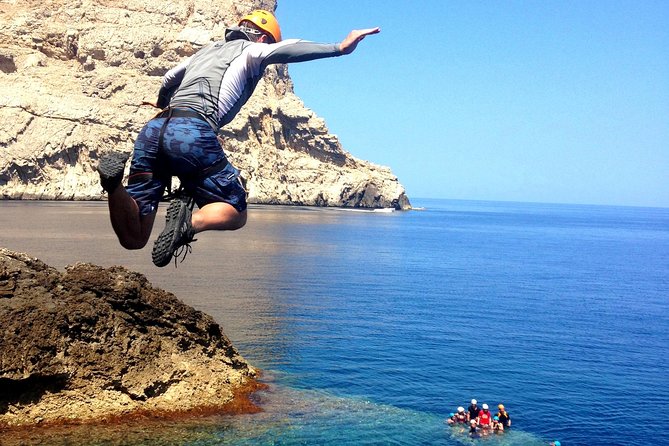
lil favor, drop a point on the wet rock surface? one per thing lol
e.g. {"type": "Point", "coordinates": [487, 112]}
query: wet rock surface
{"type": "Point", "coordinates": [92, 342]}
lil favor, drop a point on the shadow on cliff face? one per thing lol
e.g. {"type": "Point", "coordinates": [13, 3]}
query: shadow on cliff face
{"type": "Point", "coordinates": [7, 64]}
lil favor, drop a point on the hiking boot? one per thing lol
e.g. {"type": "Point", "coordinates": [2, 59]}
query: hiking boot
{"type": "Point", "coordinates": [178, 232]}
{"type": "Point", "coordinates": [111, 169]}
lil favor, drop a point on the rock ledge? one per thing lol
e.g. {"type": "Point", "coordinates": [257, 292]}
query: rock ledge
{"type": "Point", "coordinates": [92, 343]}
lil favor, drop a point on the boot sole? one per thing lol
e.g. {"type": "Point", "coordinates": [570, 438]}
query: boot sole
{"type": "Point", "coordinates": [111, 169]}
{"type": "Point", "coordinates": [165, 244]}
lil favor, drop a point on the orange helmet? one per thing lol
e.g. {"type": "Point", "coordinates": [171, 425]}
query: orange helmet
{"type": "Point", "coordinates": [265, 21]}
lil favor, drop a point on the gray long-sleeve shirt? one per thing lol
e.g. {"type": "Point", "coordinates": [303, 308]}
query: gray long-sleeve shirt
{"type": "Point", "coordinates": [219, 79]}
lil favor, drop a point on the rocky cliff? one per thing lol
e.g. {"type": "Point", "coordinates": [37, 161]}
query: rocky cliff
{"type": "Point", "coordinates": [73, 74]}
{"type": "Point", "coordinates": [90, 343]}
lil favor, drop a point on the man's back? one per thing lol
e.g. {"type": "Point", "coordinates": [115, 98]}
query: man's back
{"type": "Point", "coordinates": [217, 82]}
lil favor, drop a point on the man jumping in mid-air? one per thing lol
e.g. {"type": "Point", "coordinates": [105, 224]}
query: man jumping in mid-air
{"type": "Point", "coordinates": [198, 97]}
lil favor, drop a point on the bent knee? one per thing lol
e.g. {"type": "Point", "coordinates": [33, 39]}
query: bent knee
{"type": "Point", "coordinates": [239, 226]}
{"type": "Point", "coordinates": [239, 222]}
{"type": "Point", "coordinates": [133, 245]}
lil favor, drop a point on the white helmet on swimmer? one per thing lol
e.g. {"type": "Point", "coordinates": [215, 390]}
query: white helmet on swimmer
{"type": "Point", "coordinates": [461, 409]}
{"type": "Point", "coordinates": [474, 402]}
{"type": "Point", "coordinates": [485, 406]}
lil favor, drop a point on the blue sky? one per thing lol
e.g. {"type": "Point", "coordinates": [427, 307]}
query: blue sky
{"type": "Point", "coordinates": [542, 101]}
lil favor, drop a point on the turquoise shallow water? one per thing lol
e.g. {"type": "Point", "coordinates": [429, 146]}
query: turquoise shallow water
{"type": "Point", "coordinates": [372, 327]}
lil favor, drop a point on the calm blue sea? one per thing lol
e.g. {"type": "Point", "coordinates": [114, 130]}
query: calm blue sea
{"type": "Point", "coordinates": [371, 327]}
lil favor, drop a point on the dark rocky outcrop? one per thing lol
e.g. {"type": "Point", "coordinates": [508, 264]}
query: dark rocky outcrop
{"type": "Point", "coordinates": [92, 342]}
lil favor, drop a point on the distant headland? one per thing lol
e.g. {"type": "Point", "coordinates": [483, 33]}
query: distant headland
{"type": "Point", "coordinates": [76, 73]}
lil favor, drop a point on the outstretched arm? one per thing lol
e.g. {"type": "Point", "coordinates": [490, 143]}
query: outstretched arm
{"type": "Point", "coordinates": [355, 37]}
{"type": "Point", "coordinates": [293, 50]}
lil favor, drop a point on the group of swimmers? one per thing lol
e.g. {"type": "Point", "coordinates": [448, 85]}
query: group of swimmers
{"type": "Point", "coordinates": [480, 420]}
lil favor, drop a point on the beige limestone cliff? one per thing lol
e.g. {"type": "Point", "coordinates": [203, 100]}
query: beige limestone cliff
{"type": "Point", "coordinates": [73, 75]}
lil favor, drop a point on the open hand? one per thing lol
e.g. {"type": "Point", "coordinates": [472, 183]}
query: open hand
{"type": "Point", "coordinates": [354, 37]}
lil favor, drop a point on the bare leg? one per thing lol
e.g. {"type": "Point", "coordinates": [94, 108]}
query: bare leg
{"type": "Point", "coordinates": [218, 216]}
{"type": "Point", "coordinates": [132, 229]}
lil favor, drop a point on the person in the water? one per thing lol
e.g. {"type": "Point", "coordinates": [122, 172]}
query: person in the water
{"type": "Point", "coordinates": [497, 427]}
{"type": "Point", "coordinates": [459, 417]}
{"type": "Point", "coordinates": [473, 410]}
{"type": "Point", "coordinates": [474, 430]}
{"type": "Point", "coordinates": [485, 417]}
{"type": "Point", "coordinates": [503, 416]}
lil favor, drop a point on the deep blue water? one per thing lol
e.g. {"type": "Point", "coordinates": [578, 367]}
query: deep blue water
{"type": "Point", "coordinates": [372, 327]}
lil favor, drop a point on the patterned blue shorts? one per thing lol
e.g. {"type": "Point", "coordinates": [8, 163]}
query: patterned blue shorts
{"type": "Point", "coordinates": [189, 147]}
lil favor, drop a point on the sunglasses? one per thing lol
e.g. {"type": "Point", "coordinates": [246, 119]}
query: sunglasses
{"type": "Point", "coordinates": [248, 30]}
